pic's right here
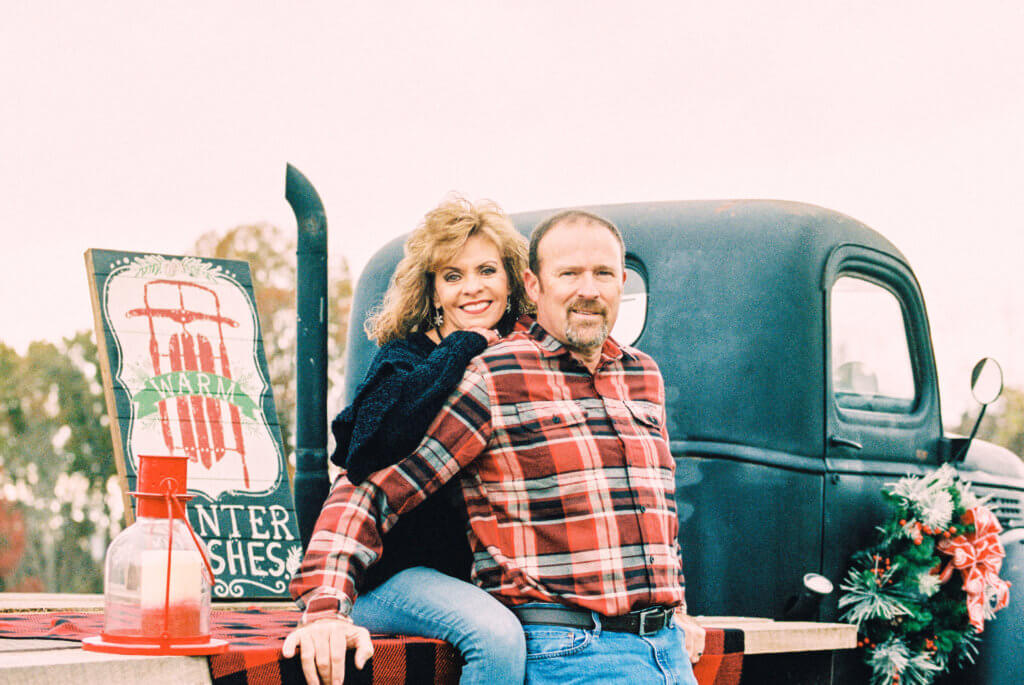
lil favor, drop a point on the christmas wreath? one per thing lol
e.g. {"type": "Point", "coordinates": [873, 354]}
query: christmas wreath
{"type": "Point", "coordinates": [916, 617]}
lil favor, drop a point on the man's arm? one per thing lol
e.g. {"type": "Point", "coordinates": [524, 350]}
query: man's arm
{"type": "Point", "coordinates": [681, 609]}
{"type": "Point", "coordinates": [345, 542]}
{"type": "Point", "coordinates": [694, 634]}
{"type": "Point", "coordinates": [324, 585]}
{"type": "Point", "coordinates": [347, 538]}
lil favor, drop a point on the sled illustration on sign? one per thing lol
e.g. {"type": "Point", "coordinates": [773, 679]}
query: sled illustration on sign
{"type": "Point", "coordinates": [201, 433]}
{"type": "Point", "coordinates": [188, 371]}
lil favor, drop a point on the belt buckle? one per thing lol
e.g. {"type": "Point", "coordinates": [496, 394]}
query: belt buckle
{"type": "Point", "coordinates": [656, 612]}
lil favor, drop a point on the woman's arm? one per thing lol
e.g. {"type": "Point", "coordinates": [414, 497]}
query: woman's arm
{"type": "Point", "coordinates": [397, 401]}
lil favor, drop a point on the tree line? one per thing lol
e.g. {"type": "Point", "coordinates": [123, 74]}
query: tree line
{"type": "Point", "coordinates": [1003, 423]}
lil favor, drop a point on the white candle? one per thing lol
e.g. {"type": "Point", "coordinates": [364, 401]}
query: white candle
{"type": "Point", "coordinates": [186, 577]}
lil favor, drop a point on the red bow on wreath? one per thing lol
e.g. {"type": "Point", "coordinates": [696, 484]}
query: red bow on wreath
{"type": "Point", "coordinates": [979, 557]}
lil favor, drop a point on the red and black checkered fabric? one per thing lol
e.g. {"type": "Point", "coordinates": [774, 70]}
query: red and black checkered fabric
{"type": "Point", "coordinates": [256, 636]}
{"type": "Point", "coordinates": [722, 662]}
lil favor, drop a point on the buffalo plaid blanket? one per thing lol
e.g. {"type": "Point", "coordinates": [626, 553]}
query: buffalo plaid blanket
{"type": "Point", "coordinates": [256, 636]}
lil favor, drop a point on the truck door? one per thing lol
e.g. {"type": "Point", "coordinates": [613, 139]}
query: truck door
{"type": "Point", "coordinates": [883, 410]}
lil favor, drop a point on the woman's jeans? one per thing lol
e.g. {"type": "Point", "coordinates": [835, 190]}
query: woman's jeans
{"type": "Point", "coordinates": [561, 656]}
{"type": "Point", "coordinates": [424, 602]}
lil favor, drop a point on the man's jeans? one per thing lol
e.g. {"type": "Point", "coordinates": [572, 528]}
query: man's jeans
{"type": "Point", "coordinates": [556, 655]}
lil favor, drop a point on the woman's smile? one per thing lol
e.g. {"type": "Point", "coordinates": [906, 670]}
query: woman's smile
{"type": "Point", "coordinates": [477, 307]}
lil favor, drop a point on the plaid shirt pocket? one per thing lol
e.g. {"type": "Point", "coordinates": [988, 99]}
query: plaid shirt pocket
{"type": "Point", "coordinates": [646, 413]}
{"type": "Point", "coordinates": [544, 438]}
{"type": "Point", "coordinates": [545, 417]}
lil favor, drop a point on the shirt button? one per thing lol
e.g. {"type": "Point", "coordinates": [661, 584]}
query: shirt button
{"type": "Point", "coordinates": [556, 419]}
{"type": "Point", "coordinates": [642, 508]}
{"type": "Point", "coordinates": [651, 559]}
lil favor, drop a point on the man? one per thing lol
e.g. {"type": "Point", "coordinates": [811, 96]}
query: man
{"type": "Point", "coordinates": [559, 438]}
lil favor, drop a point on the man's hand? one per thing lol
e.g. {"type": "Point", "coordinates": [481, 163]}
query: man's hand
{"type": "Point", "coordinates": [694, 636]}
{"type": "Point", "coordinates": [489, 334]}
{"type": "Point", "coordinates": [323, 644]}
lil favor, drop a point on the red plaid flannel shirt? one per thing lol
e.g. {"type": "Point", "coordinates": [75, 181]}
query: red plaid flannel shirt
{"type": "Point", "coordinates": [567, 478]}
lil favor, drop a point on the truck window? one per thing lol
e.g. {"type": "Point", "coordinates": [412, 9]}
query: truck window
{"type": "Point", "coordinates": [633, 309]}
{"type": "Point", "coordinates": [871, 365]}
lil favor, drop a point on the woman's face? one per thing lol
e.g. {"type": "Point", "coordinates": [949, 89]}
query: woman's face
{"type": "Point", "coordinates": [472, 289]}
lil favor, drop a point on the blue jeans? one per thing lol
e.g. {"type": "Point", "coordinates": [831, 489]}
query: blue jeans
{"type": "Point", "coordinates": [427, 603]}
{"type": "Point", "coordinates": [560, 656]}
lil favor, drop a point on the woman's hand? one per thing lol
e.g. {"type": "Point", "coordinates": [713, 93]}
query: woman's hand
{"type": "Point", "coordinates": [489, 334]}
{"type": "Point", "coordinates": [323, 644]}
{"type": "Point", "coordinates": [694, 636]}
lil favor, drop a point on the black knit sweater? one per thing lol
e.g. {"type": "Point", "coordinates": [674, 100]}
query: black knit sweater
{"type": "Point", "coordinates": [404, 389]}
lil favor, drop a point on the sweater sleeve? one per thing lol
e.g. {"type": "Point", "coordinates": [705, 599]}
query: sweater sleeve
{"type": "Point", "coordinates": [401, 395]}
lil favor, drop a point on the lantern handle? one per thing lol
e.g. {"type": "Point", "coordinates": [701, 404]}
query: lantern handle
{"type": "Point", "coordinates": [168, 498]}
{"type": "Point", "coordinates": [195, 539]}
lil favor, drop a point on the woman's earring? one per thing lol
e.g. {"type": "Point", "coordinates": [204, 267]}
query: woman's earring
{"type": "Point", "coordinates": [508, 306]}
{"type": "Point", "coordinates": [438, 317]}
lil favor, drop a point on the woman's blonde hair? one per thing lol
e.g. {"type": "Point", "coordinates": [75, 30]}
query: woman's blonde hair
{"type": "Point", "coordinates": [408, 305]}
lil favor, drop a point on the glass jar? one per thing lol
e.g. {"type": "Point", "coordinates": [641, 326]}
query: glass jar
{"type": "Point", "coordinates": [136, 588]}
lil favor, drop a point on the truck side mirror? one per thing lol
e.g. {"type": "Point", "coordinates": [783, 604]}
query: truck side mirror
{"type": "Point", "coordinates": [987, 381]}
{"type": "Point", "coordinates": [986, 386]}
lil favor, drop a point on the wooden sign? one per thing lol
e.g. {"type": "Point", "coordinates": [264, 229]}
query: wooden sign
{"type": "Point", "coordinates": [185, 373]}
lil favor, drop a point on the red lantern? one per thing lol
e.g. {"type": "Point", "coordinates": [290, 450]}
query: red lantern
{"type": "Point", "coordinates": [158, 577]}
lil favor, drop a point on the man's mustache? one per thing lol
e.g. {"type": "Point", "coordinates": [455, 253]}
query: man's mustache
{"type": "Point", "coordinates": [587, 307]}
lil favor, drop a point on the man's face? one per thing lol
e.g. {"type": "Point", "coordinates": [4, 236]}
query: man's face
{"type": "Point", "coordinates": [579, 286]}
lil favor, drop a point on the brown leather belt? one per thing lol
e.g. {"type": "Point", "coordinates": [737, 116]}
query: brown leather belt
{"type": "Point", "coordinates": [643, 622]}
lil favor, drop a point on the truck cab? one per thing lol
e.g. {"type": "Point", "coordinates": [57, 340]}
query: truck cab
{"type": "Point", "coordinates": [800, 378]}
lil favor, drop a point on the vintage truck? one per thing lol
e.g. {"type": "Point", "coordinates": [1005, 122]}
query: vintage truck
{"type": "Point", "coordinates": [800, 378]}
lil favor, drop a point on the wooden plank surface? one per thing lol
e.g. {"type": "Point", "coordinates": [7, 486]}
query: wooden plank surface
{"type": "Point", "coordinates": [39, 662]}
{"type": "Point", "coordinates": [765, 636]}
{"type": "Point", "coordinates": [60, 664]}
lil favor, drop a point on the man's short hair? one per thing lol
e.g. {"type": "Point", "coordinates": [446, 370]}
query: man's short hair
{"type": "Point", "coordinates": [569, 216]}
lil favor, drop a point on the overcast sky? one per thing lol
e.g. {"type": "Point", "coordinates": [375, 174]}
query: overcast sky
{"type": "Point", "coordinates": [141, 125]}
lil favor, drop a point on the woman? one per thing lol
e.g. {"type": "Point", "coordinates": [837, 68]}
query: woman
{"type": "Point", "coordinates": [457, 289]}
